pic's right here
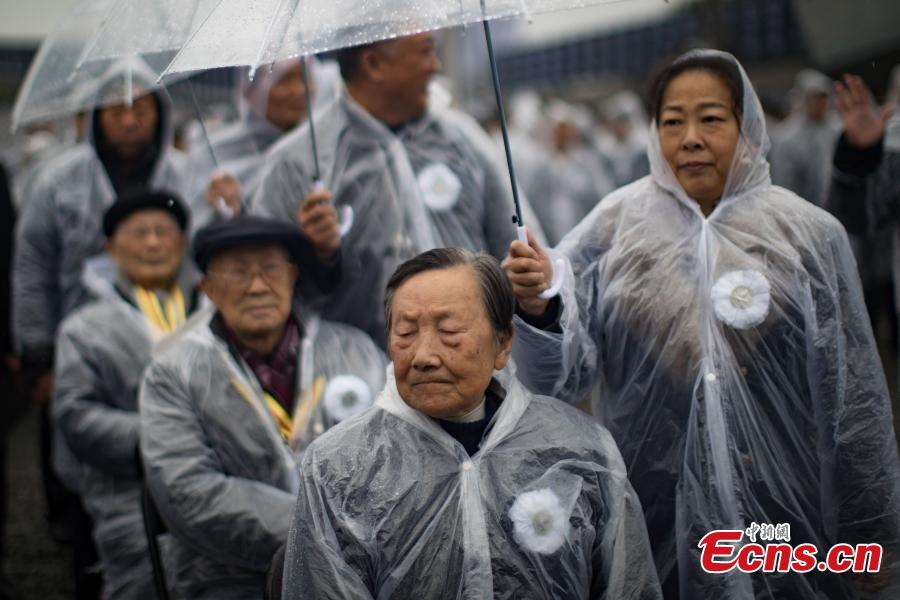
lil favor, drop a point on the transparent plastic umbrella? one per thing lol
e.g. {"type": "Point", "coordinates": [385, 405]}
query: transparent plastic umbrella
{"type": "Point", "coordinates": [94, 34]}
{"type": "Point", "coordinates": [142, 28]}
{"type": "Point", "coordinates": [256, 32]}
{"type": "Point", "coordinates": [51, 88]}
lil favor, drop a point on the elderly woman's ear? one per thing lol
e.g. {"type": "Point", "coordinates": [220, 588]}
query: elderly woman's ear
{"type": "Point", "coordinates": [505, 347]}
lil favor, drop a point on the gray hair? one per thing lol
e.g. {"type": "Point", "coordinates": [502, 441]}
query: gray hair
{"type": "Point", "coordinates": [496, 290]}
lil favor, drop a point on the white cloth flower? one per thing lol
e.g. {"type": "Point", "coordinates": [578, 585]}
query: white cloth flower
{"type": "Point", "coordinates": [345, 396]}
{"type": "Point", "coordinates": [741, 298]}
{"type": "Point", "coordinates": [440, 186]}
{"type": "Point", "coordinates": [540, 523]}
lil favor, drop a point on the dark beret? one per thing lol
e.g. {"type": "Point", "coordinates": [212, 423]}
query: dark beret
{"type": "Point", "coordinates": [137, 200]}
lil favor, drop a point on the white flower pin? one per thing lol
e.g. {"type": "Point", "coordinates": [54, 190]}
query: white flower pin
{"type": "Point", "coordinates": [345, 396]}
{"type": "Point", "coordinates": [540, 523]}
{"type": "Point", "coordinates": [741, 298]}
{"type": "Point", "coordinates": [440, 186]}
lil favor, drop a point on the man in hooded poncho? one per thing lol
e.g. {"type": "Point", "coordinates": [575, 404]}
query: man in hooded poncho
{"type": "Point", "coordinates": [722, 320]}
{"type": "Point", "coordinates": [459, 483]}
{"type": "Point", "coordinates": [128, 148]}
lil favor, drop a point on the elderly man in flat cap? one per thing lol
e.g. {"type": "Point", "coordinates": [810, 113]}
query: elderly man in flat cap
{"type": "Point", "coordinates": [226, 409]}
{"type": "Point", "coordinates": [102, 350]}
{"type": "Point", "coordinates": [460, 483]}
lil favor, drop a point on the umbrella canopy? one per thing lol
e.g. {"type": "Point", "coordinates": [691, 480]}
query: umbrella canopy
{"type": "Point", "coordinates": [256, 32]}
{"type": "Point", "coordinates": [63, 77]}
{"type": "Point", "coordinates": [138, 27]}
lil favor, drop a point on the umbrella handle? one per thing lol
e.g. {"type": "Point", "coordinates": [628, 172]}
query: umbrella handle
{"type": "Point", "coordinates": [223, 209]}
{"type": "Point", "coordinates": [559, 265]}
{"type": "Point", "coordinates": [345, 217]}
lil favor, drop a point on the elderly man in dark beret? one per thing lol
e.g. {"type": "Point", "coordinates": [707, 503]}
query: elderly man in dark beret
{"type": "Point", "coordinates": [142, 294]}
{"type": "Point", "coordinates": [227, 408]}
{"type": "Point", "coordinates": [459, 483]}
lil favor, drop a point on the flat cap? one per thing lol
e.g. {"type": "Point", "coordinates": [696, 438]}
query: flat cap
{"type": "Point", "coordinates": [248, 230]}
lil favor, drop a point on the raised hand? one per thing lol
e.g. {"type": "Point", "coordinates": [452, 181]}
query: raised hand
{"type": "Point", "coordinates": [223, 187]}
{"type": "Point", "coordinates": [319, 223]}
{"type": "Point", "coordinates": [864, 122]}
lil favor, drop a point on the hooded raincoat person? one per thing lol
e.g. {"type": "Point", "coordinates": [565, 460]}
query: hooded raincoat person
{"type": "Point", "coordinates": [271, 104]}
{"type": "Point", "coordinates": [415, 176]}
{"type": "Point", "coordinates": [472, 487]}
{"type": "Point", "coordinates": [722, 319]}
{"type": "Point", "coordinates": [60, 228]}
{"type": "Point", "coordinates": [101, 353]}
{"type": "Point", "coordinates": [222, 424]}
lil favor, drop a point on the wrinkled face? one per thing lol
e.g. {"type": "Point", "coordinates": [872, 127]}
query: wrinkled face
{"type": "Point", "coordinates": [252, 287]}
{"type": "Point", "coordinates": [406, 67]}
{"type": "Point", "coordinates": [698, 133]}
{"type": "Point", "coordinates": [148, 247]}
{"type": "Point", "coordinates": [442, 344]}
{"type": "Point", "coordinates": [129, 129]}
{"type": "Point", "coordinates": [286, 105]}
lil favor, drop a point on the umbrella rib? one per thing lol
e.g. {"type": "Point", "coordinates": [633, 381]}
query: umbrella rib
{"type": "Point", "coordinates": [265, 42]}
{"type": "Point", "coordinates": [187, 42]}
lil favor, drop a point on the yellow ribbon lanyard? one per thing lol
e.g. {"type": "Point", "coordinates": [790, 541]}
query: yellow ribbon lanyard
{"type": "Point", "coordinates": [166, 319]}
{"type": "Point", "coordinates": [283, 420]}
{"type": "Point", "coordinates": [307, 405]}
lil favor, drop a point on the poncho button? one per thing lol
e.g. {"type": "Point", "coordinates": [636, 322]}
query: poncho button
{"type": "Point", "coordinates": [711, 377]}
{"type": "Point", "coordinates": [467, 466]}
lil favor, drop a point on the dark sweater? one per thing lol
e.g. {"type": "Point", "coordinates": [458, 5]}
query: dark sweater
{"type": "Point", "coordinates": [471, 434]}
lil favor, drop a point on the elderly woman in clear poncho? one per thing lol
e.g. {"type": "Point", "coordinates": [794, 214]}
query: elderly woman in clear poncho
{"type": "Point", "coordinates": [722, 320]}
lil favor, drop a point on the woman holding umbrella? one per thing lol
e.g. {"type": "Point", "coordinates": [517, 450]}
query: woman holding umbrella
{"type": "Point", "coordinates": [722, 319]}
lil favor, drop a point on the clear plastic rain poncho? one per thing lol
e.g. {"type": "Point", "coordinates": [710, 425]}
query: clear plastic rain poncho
{"type": "Point", "coordinates": [101, 353]}
{"type": "Point", "coordinates": [737, 370]}
{"type": "Point", "coordinates": [61, 228]}
{"type": "Point", "coordinates": [435, 183]}
{"type": "Point", "coordinates": [391, 506]}
{"type": "Point", "coordinates": [239, 148]}
{"type": "Point", "coordinates": [222, 476]}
